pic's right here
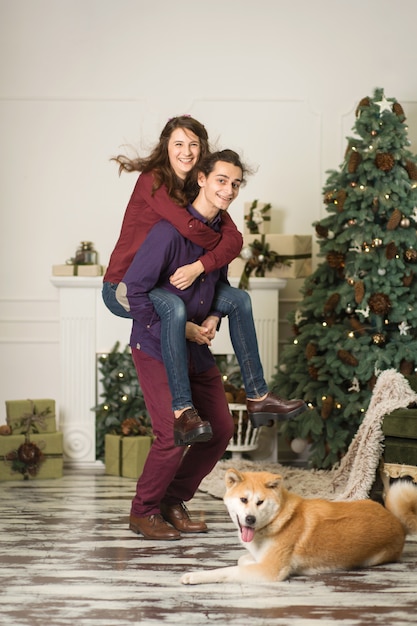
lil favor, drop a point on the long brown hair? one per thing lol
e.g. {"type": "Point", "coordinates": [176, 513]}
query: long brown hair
{"type": "Point", "coordinates": [158, 161]}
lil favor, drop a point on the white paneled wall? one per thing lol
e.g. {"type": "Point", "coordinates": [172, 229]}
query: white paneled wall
{"type": "Point", "coordinates": [80, 80]}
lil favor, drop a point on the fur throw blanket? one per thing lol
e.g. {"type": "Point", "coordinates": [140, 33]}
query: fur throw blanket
{"type": "Point", "coordinates": [353, 478]}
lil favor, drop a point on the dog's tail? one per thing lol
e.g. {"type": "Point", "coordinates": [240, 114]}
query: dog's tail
{"type": "Point", "coordinates": [401, 500]}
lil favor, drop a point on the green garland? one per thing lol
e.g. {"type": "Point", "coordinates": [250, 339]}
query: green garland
{"type": "Point", "coordinates": [251, 223]}
{"type": "Point", "coordinates": [261, 260]}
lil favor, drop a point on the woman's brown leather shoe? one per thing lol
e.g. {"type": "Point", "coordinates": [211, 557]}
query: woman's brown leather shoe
{"type": "Point", "coordinates": [264, 412]}
{"type": "Point", "coordinates": [153, 527]}
{"type": "Point", "coordinates": [178, 516]}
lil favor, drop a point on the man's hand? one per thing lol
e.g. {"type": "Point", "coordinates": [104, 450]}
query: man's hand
{"type": "Point", "coordinates": [185, 275]}
{"type": "Point", "coordinates": [196, 333]}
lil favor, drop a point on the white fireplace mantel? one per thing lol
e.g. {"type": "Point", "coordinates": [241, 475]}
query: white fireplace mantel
{"type": "Point", "coordinates": [87, 328]}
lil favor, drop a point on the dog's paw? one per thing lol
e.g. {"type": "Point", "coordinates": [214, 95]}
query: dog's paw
{"type": "Point", "coordinates": [246, 559]}
{"type": "Point", "coordinates": [188, 579]}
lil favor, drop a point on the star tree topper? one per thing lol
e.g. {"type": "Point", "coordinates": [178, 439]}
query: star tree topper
{"type": "Point", "coordinates": [384, 105]}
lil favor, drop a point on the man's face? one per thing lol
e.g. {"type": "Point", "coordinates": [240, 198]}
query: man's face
{"type": "Point", "coordinates": [183, 151]}
{"type": "Point", "coordinates": [218, 189]}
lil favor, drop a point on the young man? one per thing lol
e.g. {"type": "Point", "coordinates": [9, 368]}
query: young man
{"type": "Point", "coordinates": [171, 477]}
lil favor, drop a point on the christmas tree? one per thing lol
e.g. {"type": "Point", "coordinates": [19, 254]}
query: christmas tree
{"type": "Point", "coordinates": [358, 312]}
{"type": "Point", "coordinates": [122, 397]}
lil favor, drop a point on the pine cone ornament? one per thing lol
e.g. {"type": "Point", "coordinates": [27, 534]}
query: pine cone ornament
{"type": "Point", "coordinates": [340, 199]}
{"type": "Point", "coordinates": [322, 231]}
{"type": "Point", "coordinates": [406, 367]}
{"type": "Point", "coordinates": [408, 279]}
{"type": "Point", "coordinates": [29, 453]}
{"type": "Point", "coordinates": [365, 102]}
{"type": "Point", "coordinates": [399, 111]}
{"type": "Point", "coordinates": [327, 407]}
{"type": "Point", "coordinates": [359, 290]}
{"type": "Point", "coordinates": [347, 358]}
{"type": "Point", "coordinates": [394, 220]}
{"type": "Point", "coordinates": [384, 161]}
{"type": "Point", "coordinates": [331, 320]}
{"type": "Point", "coordinates": [357, 326]}
{"type": "Point", "coordinates": [411, 170]}
{"type": "Point", "coordinates": [354, 160]}
{"type": "Point", "coordinates": [311, 350]}
{"type": "Point", "coordinates": [314, 372]}
{"type": "Point", "coordinates": [379, 304]}
{"type": "Point", "coordinates": [336, 260]}
{"type": "Point", "coordinates": [391, 251]}
{"type": "Point", "coordinates": [331, 303]}
{"type": "Point", "coordinates": [131, 427]}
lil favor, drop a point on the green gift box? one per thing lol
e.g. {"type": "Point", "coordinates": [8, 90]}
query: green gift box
{"type": "Point", "coordinates": [19, 412]}
{"type": "Point", "coordinates": [126, 456]}
{"type": "Point", "coordinates": [9, 443]}
{"type": "Point", "coordinates": [51, 447]}
{"type": "Point", "coordinates": [400, 432]}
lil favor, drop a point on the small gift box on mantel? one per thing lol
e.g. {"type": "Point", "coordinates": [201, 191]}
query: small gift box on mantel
{"type": "Point", "coordinates": [83, 263]}
{"type": "Point", "coordinates": [78, 270]}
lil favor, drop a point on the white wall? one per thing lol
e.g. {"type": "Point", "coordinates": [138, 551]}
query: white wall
{"type": "Point", "coordinates": [79, 79]}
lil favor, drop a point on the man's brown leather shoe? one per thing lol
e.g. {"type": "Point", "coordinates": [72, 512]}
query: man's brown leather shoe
{"type": "Point", "coordinates": [189, 428]}
{"type": "Point", "coordinates": [263, 412]}
{"type": "Point", "coordinates": [153, 527]}
{"type": "Point", "coordinates": [178, 516]}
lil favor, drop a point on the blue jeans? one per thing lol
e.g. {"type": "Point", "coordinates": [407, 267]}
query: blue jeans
{"type": "Point", "coordinates": [230, 301]}
{"type": "Point", "coordinates": [171, 310]}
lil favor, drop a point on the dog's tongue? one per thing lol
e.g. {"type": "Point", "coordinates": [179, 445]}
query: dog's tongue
{"type": "Point", "coordinates": [247, 533]}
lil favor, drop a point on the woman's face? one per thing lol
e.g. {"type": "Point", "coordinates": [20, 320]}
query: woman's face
{"type": "Point", "coordinates": [183, 151]}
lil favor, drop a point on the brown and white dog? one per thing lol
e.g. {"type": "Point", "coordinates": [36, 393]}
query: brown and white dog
{"type": "Point", "coordinates": [286, 534]}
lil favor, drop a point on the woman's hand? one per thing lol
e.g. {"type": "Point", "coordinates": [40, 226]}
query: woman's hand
{"type": "Point", "coordinates": [196, 333]}
{"type": "Point", "coordinates": [210, 323]}
{"type": "Point", "coordinates": [185, 275]}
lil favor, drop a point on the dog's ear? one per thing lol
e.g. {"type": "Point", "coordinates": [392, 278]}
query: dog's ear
{"type": "Point", "coordinates": [232, 477]}
{"type": "Point", "coordinates": [274, 481]}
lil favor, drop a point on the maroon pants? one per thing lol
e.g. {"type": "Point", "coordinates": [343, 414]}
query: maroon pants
{"type": "Point", "coordinates": [172, 474]}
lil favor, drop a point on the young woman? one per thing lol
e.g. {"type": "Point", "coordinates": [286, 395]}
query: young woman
{"type": "Point", "coordinates": [163, 190]}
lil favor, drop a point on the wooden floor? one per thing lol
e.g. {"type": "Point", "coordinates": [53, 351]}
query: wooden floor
{"type": "Point", "coordinates": [67, 558]}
